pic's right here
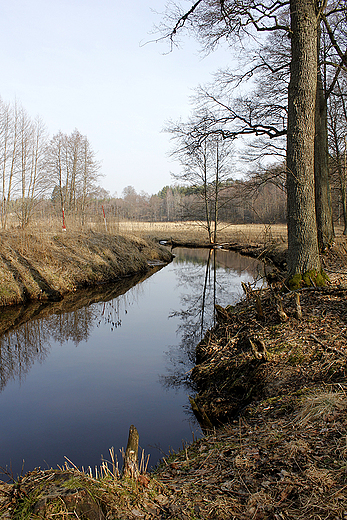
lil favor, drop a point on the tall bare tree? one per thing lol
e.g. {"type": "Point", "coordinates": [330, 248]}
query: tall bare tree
{"type": "Point", "coordinates": [8, 150]}
{"type": "Point", "coordinates": [206, 166]}
{"type": "Point", "coordinates": [32, 175]}
{"type": "Point", "coordinates": [213, 21]}
{"type": "Point", "coordinates": [75, 170]}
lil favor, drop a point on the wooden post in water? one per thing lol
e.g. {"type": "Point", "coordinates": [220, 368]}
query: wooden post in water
{"type": "Point", "coordinates": [131, 466]}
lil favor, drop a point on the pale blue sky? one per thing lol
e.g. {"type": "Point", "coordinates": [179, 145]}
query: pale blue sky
{"type": "Point", "coordinates": [82, 64]}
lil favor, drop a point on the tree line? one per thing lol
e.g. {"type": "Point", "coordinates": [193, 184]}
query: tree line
{"type": "Point", "coordinates": [259, 198]}
{"type": "Point", "coordinates": [240, 203]}
{"type": "Point", "coordinates": [45, 176]}
{"type": "Point", "coordinates": [35, 167]}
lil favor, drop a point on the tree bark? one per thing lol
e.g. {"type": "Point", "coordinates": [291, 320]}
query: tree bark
{"type": "Point", "coordinates": [324, 214]}
{"type": "Point", "coordinates": [303, 253]}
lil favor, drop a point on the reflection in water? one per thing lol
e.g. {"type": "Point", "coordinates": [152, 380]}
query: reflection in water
{"type": "Point", "coordinates": [58, 400]}
{"type": "Point", "coordinates": [27, 331]}
{"type": "Point", "coordinates": [211, 276]}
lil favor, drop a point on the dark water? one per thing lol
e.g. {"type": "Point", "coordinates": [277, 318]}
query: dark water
{"type": "Point", "coordinates": [75, 374]}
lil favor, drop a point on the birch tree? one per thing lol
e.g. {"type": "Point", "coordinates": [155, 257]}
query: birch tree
{"type": "Point", "coordinates": [75, 170]}
{"type": "Point", "coordinates": [9, 155]}
{"type": "Point", "coordinates": [33, 181]}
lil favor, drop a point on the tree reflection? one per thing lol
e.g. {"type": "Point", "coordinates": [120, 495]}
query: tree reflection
{"type": "Point", "coordinates": [215, 278]}
{"type": "Point", "coordinates": [19, 350]}
{"type": "Point", "coordinates": [26, 332]}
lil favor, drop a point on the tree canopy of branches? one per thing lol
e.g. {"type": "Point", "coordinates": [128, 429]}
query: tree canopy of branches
{"type": "Point", "coordinates": [32, 167]}
{"type": "Point", "coordinates": [213, 22]}
{"type": "Point", "coordinates": [74, 171]}
{"type": "Point", "coordinates": [206, 167]}
{"type": "Point", "coordinates": [23, 144]}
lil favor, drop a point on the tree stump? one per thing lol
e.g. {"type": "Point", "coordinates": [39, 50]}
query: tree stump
{"type": "Point", "coordinates": [298, 311]}
{"type": "Point", "coordinates": [131, 466]}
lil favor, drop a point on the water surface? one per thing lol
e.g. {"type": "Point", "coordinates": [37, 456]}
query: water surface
{"type": "Point", "coordinates": [74, 375]}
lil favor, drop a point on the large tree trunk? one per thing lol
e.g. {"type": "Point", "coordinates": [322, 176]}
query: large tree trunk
{"type": "Point", "coordinates": [344, 208]}
{"type": "Point", "coordinates": [303, 254]}
{"type": "Point", "coordinates": [324, 214]}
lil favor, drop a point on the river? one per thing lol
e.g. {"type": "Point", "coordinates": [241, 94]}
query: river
{"type": "Point", "coordinates": [74, 375]}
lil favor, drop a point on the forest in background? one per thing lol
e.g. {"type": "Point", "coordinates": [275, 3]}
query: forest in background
{"type": "Point", "coordinates": [58, 178]}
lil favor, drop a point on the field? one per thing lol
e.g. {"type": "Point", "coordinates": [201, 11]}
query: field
{"type": "Point", "coordinates": [188, 230]}
{"type": "Point", "coordinates": [195, 232]}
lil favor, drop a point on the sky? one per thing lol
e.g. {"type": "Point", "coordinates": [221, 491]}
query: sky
{"type": "Point", "coordinates": [90, 65]}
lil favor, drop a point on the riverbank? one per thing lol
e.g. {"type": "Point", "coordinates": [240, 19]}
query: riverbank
{"type": "Point", "coordinates": [271, 394]}
{"type": "Point", "coordinates": [39, 266]}
{"type": "Point", "coordinates": [273, 253]}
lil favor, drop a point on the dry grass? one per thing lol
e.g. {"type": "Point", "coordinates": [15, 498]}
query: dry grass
{"type": "Point", "coordinates": [178, 231]}
{"type": "Point", "coordinates": [320, 405]}
{"type": "Point", "coordinates": [189, 230]}
{"type": "Point", "coordinates": [262, 234]}
{"type": "Point", "coordinates": [70, 492]}
{"type": "Point", "coordinates": [194, 231]}
{"type": "Point", "coordinates": [41, 265]}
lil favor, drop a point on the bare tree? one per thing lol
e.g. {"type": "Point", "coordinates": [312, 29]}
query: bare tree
{"type": "Point", "coordinates": [206, 166]}
{"type": "Point", "coordinates": [33, 180]}
{"type": "Point", "coordinates": [89, 174]}
{"type": "Point", "coordinates": [56, 155]}
{"type": "Point", "coordinates": [75, 170]}
{"type": "Point", "coordinates": [8, 150]}
{"type": "Point", "coordinates": [263, 113]}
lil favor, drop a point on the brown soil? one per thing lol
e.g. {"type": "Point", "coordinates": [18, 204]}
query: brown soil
{"type": "Point", "coordinates": [272, 397]}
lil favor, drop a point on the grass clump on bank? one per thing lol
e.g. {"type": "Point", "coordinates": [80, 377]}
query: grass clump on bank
{"type": "Point", "coordinates": [47, 266]}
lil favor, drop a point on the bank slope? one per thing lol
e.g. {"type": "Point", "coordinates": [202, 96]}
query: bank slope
{"type": "Point", "coordinates": [45, 267]}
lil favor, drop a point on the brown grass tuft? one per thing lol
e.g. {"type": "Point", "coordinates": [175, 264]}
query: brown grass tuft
{"type": "Point", "coordinates": [319, 406]}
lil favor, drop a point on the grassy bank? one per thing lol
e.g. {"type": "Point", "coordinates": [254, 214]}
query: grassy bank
{"type": "Point", "coordinates": [45, 266]}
